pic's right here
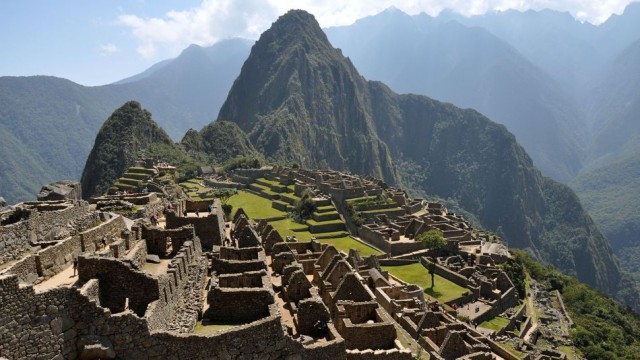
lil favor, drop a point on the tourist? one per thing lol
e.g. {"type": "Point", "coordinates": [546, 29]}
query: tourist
{"type": "Point", "coordinates": [104, 242]}
{"type": "Point", "coordinates": [197, 213]}
{"type": "Point", "coordinates": [75, 265]}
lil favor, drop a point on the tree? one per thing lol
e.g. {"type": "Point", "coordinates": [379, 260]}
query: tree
{"type": "Point", "coordinates": [431, 266]}
{"type": "Point", "coordinates": [224, 194]}
{"type": "Point", "coordinates": [227, 208]}
{"type": "Point", "coordinates": [432, 239]}
{"type": "Point", "coordinates": [303, 208]}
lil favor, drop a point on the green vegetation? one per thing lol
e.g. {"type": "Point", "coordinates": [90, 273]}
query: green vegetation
{"type": "Point", "coordinates": [219, 142]}
{"type": "Point", "coordinates": [127, 134]}
{"type": "Point", "coordinates": [258, 207]}
{"type": "Point", "coordinates": [497, 323]}
{"type": "Point", "coordinates": [347, 242]}
{"type": "Point", "coordinates": [288, 227]}
{"type": "Point", "coordinates": [432, 239]}
{"type": "Point", "coordinates": [443, 291]}
{"type": "Point", "coordinates": [207, 329]}
{"type": "Point", "coordinates": [516, 273]}
{"type": "Point", "coordinates": [255, 206]}
{"type": "Point", "coordinates": [303, 208]}
{"type": "Point", "coordinates": [604, 329]}
{"type": "Point", "coordinates": [243, 162]}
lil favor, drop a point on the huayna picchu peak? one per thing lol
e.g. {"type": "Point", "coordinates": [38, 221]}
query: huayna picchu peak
{"type": "Point", "coordinates": [301, 101]}
{"type": "Point", "coordinates": [322, 214]}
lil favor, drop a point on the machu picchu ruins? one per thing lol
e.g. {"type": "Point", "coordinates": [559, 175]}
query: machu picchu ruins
{"type": "Point", "coordinates": [156, 270]}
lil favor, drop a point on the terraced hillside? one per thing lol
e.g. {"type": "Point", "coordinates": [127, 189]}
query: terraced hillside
{"type": "Point", "coordinates": [272, 200]}
{"type": "Point", "coordinates": [134, 180]}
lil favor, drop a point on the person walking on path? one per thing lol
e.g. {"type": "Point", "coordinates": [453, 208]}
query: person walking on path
{"type": "Point", "coordinates": [75, 265]}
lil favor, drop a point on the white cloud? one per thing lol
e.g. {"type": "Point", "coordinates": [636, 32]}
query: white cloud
{"type": "Point", "coordinates": [108, 49]}
{"type": "Point", "coordinates": [203, 25]}
{"type": "Point", "coordinates": [213, 20]}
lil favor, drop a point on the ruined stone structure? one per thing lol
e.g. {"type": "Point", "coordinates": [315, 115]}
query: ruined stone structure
{"type": "Point", "coordinates": [209, 229]}
{"type": "Point", "coordinates": [80, 283]}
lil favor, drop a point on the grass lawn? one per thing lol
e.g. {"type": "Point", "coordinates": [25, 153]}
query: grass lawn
{"type": "Point", "coordinates": [288, 227]}
{"type": "Point", "coordinates": [569, 350]}
{"type": "Point", "coordinates": [509, 348]}
{"type": "Point", "coordinates": [271, 182]}
{"type": "Point", "coordinates": [258, 207]}
{"type": "Point", "coordinates": [497, 323]}
{"type": "Point", "coordinates": [381, 210]}
{"type": "Point", "coordinates": [443, 291]}
{"type": "Point", "coordinates": [346, 242]}
{"type": "Point", "coordinates": [316, 223]}
{"type": "Point", "coordinates": [211, 328]}
{"type": "Point", "coordinates": [255, 206]}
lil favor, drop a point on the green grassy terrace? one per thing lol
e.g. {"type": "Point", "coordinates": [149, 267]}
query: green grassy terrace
{"type": "Point", "coordinates": [496, 324]}
{"type": "Point", "coordinates": [258, 207]}
{"type": "Point", "coordinates": [443, 291]}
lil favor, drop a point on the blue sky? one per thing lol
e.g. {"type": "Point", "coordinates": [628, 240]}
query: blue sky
{"type": "Point", "coordinates": [94, 42]}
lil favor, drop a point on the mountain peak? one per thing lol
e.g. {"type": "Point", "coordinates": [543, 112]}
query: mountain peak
{"type": "Point", "coordinates": [129, 130]}
{"type": "Point", "coordinates": [294, 27]}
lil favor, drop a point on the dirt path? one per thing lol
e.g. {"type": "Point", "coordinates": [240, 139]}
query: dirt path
{"type": "Point", "coordinates": [63, 278]}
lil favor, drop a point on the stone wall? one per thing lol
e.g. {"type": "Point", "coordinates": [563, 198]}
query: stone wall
{"type": "Point", "coordinates": [56, 258]}
{"type": "Point", "coordinates": [223, 266]}
{"type": "Point", "coordinates": [14, 240]}
{"type": "Point", "coordinates": [247, 253]}
{"type": "Point", "coordinates": [200, 205]}
{"type": "Point", "coordinates": [392, 354]}
{"type": "Point", "coordinates": [249, 279]}
{"type": "Point", "coordinates": [90, 239]}
{"type": "Point", "coordinates": [448, 274]}
{"type": "Point", "coordinates": [55, 323]}
{"type": "Point", "coordinates": [35, 325]}
{"type": "Point", "coordinates": [157, 239]}
{"type": "Point", "coordinates": [119, 284]}
{"type": "Point", "coordinates": [42, 221]}
{"type": "Point", "coordinates": [138, 254]}
{"type": "Point", "coordinates": [26, 270]}
{"type": "Point", "coordinates": [241, 305]}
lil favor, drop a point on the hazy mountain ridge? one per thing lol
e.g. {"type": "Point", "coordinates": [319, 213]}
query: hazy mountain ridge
{"type": "Point", "coordinates": [464, 155]}
{"type": "Point", "coordinates": [470, 67]}
{"type": "Point", "coordinates": [47, 124]}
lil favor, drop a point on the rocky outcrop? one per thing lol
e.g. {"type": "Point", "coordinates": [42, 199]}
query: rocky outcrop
{"type": "Point", "coordinates": [61, 190]}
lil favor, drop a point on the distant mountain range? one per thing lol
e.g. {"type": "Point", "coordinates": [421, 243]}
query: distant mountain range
{"type": "Point", "coordinates": [47, 124]}
{"type": "Point", "coordinates": [470, 67]}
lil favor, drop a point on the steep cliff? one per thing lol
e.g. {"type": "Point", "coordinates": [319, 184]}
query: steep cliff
{"type": "Point", "coordinates": [301, 101]}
